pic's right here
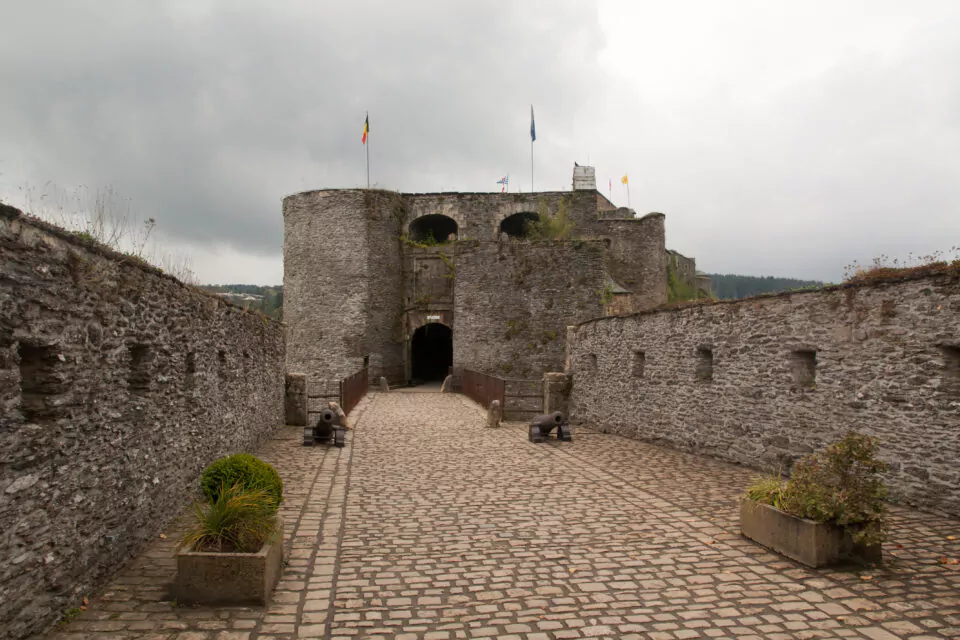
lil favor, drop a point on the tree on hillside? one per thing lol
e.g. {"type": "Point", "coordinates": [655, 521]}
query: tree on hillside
{"type": "Point", "coordinates": [730, 286]}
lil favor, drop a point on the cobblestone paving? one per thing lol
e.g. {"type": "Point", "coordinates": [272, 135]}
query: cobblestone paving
{"type": "Point", "coordinates": [429, 526]}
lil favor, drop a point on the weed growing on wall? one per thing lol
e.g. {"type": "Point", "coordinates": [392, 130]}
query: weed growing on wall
{"type": "Point", "coordinates": [884, 267]}
{"type": "Point", "coordinates": [552, 227]}
{"type": "Point", "coordinates": [106, 218]}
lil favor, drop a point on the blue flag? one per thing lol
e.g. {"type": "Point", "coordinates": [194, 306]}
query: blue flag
{"type": "Point", "coordinates": [533, 128]}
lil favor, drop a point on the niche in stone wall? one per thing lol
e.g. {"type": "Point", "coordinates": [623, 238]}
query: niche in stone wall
{"type": "Point", "coordinates": [40, 380]}
{"type": "Point", "coordinates": [803, 368]}
{"type": "Point", "coordinates": [190, 372]}
{"type": "Point", "coordinates": [141, 368]}
{"type": "Point", "coordinates": [222, 366]}
{"type": "Point", "coordinates": [704, 372]}
{"type": "Point", "coordinates": [639, 364]}
{"type": "Point", "coordinates": [951, 362]}
{"type": "Point", "coordinates": [591, 362]}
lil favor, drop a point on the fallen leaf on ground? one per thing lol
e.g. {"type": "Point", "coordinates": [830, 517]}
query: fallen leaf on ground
{"type": "Point", "coordinates": [866, 577]}
{"type": "Point", "coordinates": [163, 536]}
{"type": "Point", "coordinates": [951, 537]}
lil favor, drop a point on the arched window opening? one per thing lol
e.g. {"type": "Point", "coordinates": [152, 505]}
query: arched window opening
{"type": "Point", "coordinates": [433, 229]}
{"type": "Point", "coordinates": [518, 225]}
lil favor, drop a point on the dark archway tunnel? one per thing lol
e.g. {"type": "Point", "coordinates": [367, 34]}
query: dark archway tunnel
{"type": "Point", "coordinates": [431, 352]}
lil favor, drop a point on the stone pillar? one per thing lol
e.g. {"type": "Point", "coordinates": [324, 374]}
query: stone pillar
{"type": "Point", "coordinates": [556, 393]}
{"type": "Point", "coordinates": [295, 402]}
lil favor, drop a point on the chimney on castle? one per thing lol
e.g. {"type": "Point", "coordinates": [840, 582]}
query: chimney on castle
{"type": "Point", "coordinates": [584, 178]}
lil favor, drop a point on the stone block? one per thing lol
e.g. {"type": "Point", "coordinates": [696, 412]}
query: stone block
{"type": "Point", "coordinates": [384, 385]}
{"type": "Point", "coordinates": [556, 393]}
{"type": "Point", "coordinates": [229, 578]}
{"type": "Point", "coordinates": [815, 544]}
{"type": "Point", "coordinates": [295, 400]}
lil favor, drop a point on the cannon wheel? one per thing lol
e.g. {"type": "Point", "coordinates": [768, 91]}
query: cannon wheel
{"type": "Point", "coordinates": [339, 437]}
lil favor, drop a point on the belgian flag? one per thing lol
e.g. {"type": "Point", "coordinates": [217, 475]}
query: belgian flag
{"type": "Point", "coordinates": [366, 129]}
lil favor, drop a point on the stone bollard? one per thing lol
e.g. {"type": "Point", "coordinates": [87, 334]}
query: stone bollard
{"type": "Point", "coordinates": [384, 387]}
{"type": "Point", "coordinates": [494, 414]}
{"type": "Point", "coordinates": [447, 386]}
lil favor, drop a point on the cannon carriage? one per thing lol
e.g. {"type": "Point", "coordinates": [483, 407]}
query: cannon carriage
{"type": "Point", "coordinates": [543, 425]}
{"type": "Point", "coordinates": [328, 430]}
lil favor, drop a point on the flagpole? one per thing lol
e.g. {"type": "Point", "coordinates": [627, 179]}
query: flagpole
{"type": "Point", "coordinates": [531, 166]}
{"type": "Point", "coordinates": [628, 194]}
{"type": "Point", "coordinates": [368, 150]}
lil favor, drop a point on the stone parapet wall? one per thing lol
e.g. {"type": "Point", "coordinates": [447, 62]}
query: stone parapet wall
{"type": "Point", "coordinates": [118, 385]}
{"type": "Point", "coordinates": [763, 381]}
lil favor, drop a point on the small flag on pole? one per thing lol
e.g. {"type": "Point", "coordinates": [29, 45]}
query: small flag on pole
{"type": "Point", "coordinates": [624, 179]}
{"type": "Point", "coordinates": [366, 129]}
{"type": "Point", "coordinates": [505, 180]}
{"type": "Point", "coordinates": [533, 128]}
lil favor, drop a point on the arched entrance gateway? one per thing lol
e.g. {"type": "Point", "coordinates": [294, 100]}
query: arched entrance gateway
{"type": "Point", "coordinates": [431, 352]}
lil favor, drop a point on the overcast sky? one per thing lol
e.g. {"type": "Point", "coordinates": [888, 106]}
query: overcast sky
{"type": "Point", "coordinates": [779, 138]}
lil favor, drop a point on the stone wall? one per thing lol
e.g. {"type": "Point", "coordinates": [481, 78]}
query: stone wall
{"type": "Point", "coordinates": [514, 300]}
{"type": "Point", "coordinates": [118, 385]}
{"type": "Point", "coordinates": [343, 284]}
{"type": "Point", "coordinates": [765, 380]}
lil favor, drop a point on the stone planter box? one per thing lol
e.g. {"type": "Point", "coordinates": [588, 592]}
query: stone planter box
{"type": "Point", "coordinates": [229, 578]}
{"type": "Point", "coordinates": [815, 544]}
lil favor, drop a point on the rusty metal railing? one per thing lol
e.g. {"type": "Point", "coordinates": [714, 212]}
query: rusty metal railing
{"type": "Point", "coordinates": [481, 388]}
{"type": "Point", "coordinates": [353, 388]}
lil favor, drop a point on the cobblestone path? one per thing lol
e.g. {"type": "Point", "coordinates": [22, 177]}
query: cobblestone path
{"type": "Point", "coordinates": [429, 526]}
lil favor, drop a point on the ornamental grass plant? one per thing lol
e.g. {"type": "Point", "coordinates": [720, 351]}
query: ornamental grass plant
{"type": "Point", "coordinates": [237, 520]}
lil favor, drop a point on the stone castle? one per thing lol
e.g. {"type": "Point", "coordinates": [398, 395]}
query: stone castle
{"type": "Point", "coordinates": [412, 284]}
{"type": "Point", "coordinates": [119, 384]}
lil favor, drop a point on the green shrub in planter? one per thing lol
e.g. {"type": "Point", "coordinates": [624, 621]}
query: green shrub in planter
{"type": "Point", "coordinates": [237, 520]}
{"type": "Point", "coordinates": [246, 471]}
{"type": "Point", "coordinates": [840, 485]}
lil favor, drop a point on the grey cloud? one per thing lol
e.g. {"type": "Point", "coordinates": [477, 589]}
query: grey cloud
{"type": "Point", "coordinates": [206, 113]}
{"type": "Point", "coordinates": [206, 118]}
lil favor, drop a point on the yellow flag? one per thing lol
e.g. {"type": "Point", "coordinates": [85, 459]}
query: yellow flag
{"type": "Point", "coordinates": [624, 179]}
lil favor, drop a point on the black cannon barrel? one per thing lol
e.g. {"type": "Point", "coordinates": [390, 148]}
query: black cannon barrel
{"type": "Point", "coordinates": [328, 417]}
{"type": "Point", "coordinates": [549, 420]}
{"type": "Point", "coordinates": [541, 426]}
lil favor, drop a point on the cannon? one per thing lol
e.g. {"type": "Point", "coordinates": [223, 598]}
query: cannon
{"type": "Point", "coordinates": [328, 430]}
{"type": "Point", "coordinates": [541, 426]}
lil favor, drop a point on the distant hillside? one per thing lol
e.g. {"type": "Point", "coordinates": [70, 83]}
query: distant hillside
{"type": "Point", "coordinates": [727, 286]}
{"type": "Point", "coordinates": [267, 300]}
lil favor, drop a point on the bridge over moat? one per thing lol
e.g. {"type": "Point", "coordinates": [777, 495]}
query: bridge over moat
{"type": "Point", "coordinates": [427, 525]}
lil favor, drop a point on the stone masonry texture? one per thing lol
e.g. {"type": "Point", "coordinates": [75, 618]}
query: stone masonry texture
{"type": "Point", "coordinates": [763, 381]}
{"type": "Point", "coordinates": [514, 301]}
{"type": "Point", "coordinates": [427, 526]}
{"type": "Point", "coordinates": [118, 385]}
{"type": "Point", "coordinates": [358, 286]}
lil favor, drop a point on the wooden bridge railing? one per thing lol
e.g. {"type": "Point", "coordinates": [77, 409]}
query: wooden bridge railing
{"type": "Point", "coordinates": [353, 388]}
{"type": "Point", "coordinates": [482, 388]}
